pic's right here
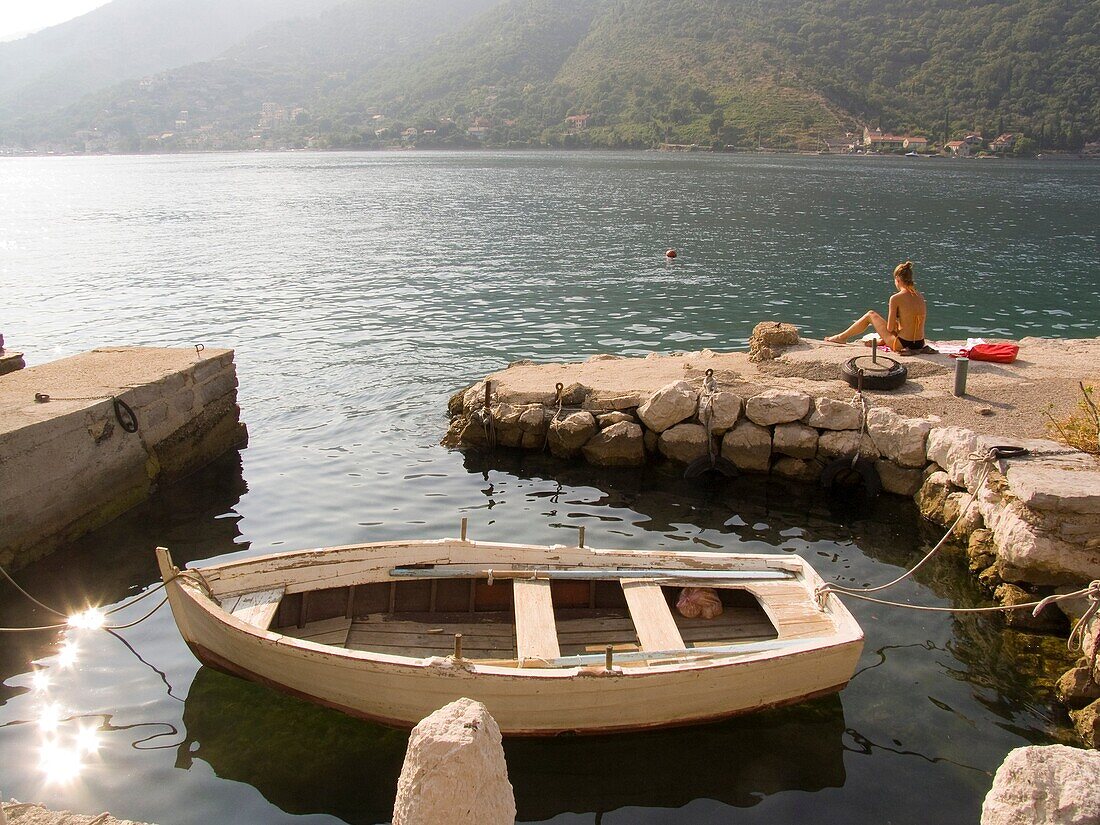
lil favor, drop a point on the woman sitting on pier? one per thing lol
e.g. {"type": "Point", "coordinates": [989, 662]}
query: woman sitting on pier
{"type": "Point", "coordinates": [903, 330]}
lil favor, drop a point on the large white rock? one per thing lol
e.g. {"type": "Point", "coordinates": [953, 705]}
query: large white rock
{"type": "Point", "coordinates": [670, 405]}
{"type": "Point", "coordinates": [533, 423]}
{"type": "Point", "coordinates": [1051, 785]}
{"type": "Point", "coordinates": [749, 446]}
{"type": "Point", "coordinates": [619, 445]}
{"type": "Point", "coordinates": [952, 448]}
{"type": "Point", "coordinates": [843, 443]}
{"type": "Point", "coordinates": [1054, 488]}
{"type": "Point", "coordinates": [777, 407]}
{"type": "Point", "coordinates": [725, 409]}
{"type": "Point", "coordinates": [901, 440]}
{"type": "Point", "coordinates": [830, 414]}
{"type": "Point", "coordinates": [607, 419]}
{"type": "Point", "coordinates": [506, 421]}
{"type": "Point", "coordinates": [1026, 552]}
{"type": "Point", "coordinates": [454, 771]}
{"type": "Point", "coordinates": [901, 481]}
{"type": "Point", "coordinates": [795, 440]}
{"type": "Point", "coordinates": [684, 442]}
{"type": "Point", "coordinates": [569, 433]}
{"type": "Point", "coordinates": [474, 397]}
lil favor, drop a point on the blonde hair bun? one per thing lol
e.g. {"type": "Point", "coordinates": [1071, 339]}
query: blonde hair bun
{"type": "Point", "coordinates": [904, 273]}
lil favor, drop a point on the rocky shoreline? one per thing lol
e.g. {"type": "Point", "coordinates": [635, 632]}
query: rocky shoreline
{"type": "Point", "coordinates": [1029, 522]}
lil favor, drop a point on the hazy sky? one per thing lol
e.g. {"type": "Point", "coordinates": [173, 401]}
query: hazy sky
{"type": "Point", "coordinates": [19, 17]}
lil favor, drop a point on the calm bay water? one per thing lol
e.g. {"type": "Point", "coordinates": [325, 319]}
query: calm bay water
{"type": "Point", "coordinates": [359, 290]}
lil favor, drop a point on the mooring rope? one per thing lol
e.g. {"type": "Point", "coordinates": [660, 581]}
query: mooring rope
{"type": "Point", "coordinates": [1092, 591]}
{"type": "Point", "coordinates": [987, 458]}
{"type": "Point", "coordinates": [45, 607]}
{"type": "Point", "coordinates": [1074, 643]}
{"type": "Point", "coordinates": [191, 575]}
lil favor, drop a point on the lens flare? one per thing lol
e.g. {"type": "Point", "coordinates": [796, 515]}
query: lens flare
{"type": "Point", "coordinates": [67, 655]}
{"type": "Point", "coordinates": [59, 763]}
{"type": "Point", "coordinates": [49, 717]}
{"type": "Point", "coordinates": [87, 740]}
{"type": "Point", "coordinates": [91, 619]}
{"type": "Point", "coordinates": [40, 681]}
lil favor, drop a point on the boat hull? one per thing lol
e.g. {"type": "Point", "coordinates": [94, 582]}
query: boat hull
{"type": "Point", "coordinates": [574, 700]}
{"type": "Point", "coordinates": [525, 701]}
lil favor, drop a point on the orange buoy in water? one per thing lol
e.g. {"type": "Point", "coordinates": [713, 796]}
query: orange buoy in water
{"type": "Point", "coordinates": [670, 253]}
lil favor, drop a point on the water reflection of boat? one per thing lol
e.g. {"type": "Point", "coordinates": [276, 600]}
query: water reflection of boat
{"type": "Point", "coordinates": [307, 759]}
{"type": "Point", "coordinates": [551, 639]}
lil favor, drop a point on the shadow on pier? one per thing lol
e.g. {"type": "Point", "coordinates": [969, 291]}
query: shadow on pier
{"type": "Point", "coordinates": [250, 734]}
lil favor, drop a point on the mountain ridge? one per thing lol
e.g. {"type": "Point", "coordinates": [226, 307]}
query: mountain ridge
{"type": "Point", "coordinates": [636, 73]}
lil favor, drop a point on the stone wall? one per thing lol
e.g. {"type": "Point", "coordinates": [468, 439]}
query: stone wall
{"type": "Point", "coordinates": [67, 466]}
{"type": "Point", "coordinates": [1042, 511]}
{"type": "Point", "coordinates": [784, 432]}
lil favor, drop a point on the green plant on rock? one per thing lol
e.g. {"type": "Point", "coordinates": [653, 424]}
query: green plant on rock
{"type": "Point", "coordinates": [1081, 429]}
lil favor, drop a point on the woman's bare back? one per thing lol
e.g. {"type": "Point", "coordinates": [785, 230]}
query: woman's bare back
{"type": "Point", "coordinates": [907, 313]}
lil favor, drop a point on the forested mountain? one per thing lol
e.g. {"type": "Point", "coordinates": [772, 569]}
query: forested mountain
{"type": "Point", "coordinates": [127, 39]}
{"type": "Point", "coordinates": [908, 64]}
{"type": "Point", "coordinates": [778, 73]}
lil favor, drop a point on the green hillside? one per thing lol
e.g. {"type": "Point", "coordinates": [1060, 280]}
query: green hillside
{"type": "Point", "coordinates": [1023, 63]}
{"type": "Point", "coordinates": [783, 74]}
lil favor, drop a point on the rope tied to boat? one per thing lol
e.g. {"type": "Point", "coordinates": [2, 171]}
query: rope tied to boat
{"type": "Point", "coordinates": [988, 459]}
{"type": "Point", "coordinates": [193, 576]}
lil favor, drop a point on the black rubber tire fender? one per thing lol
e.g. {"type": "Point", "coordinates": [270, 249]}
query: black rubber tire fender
{"type": "Point", "coordinates": [704, 465]}
{"type": "Point", "coordinates": [891, 379]}
{"type": "Point", "coordinates": [840, 473]}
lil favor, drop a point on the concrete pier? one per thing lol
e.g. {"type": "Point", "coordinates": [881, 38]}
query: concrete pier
{"type": "Point", "coordinates": [72, 459]}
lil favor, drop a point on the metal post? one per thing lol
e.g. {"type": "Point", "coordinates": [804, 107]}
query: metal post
{"type": "Point", "coordinates": [580, 537]}
{"type": "Point", "coordinates": [458, 646]}
{"type": "Point", "coordinates": [962, 366]}
{"type": "Point", "coordinates": [465, 521]}
{"type": "Point", "coordinates": [488, 384]}
{"type": "Point", "coordinates": [609, 653]}
{"type": "Point", "coordinates": [874, 350]}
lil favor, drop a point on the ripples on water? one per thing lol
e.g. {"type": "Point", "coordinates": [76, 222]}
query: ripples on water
{"type": "Point", "coordinates": [359, 291]}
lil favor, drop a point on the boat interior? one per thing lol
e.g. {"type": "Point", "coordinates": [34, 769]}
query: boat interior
{"type": "Point", "coordinates": [528, 620]}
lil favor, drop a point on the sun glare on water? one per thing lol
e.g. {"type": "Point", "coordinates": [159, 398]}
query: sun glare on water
{"type": "Point", "coordinates": [66, 745]}
{"type": "Point", "coordinates": [64, 753]}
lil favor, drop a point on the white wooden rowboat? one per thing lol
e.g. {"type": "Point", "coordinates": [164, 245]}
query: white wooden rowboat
{"type": "Point", "coordinates": [551, 639]}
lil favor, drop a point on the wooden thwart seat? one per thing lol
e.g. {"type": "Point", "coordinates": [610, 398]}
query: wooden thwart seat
{"type": "Point", "coordinates": [536, 630]}
{"type": "Point", "coordinates": [324, 632]}
{"type": "Point", "coordinates": [256, 608]}
{"type": "Point", "coordinates": [652, 618]}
